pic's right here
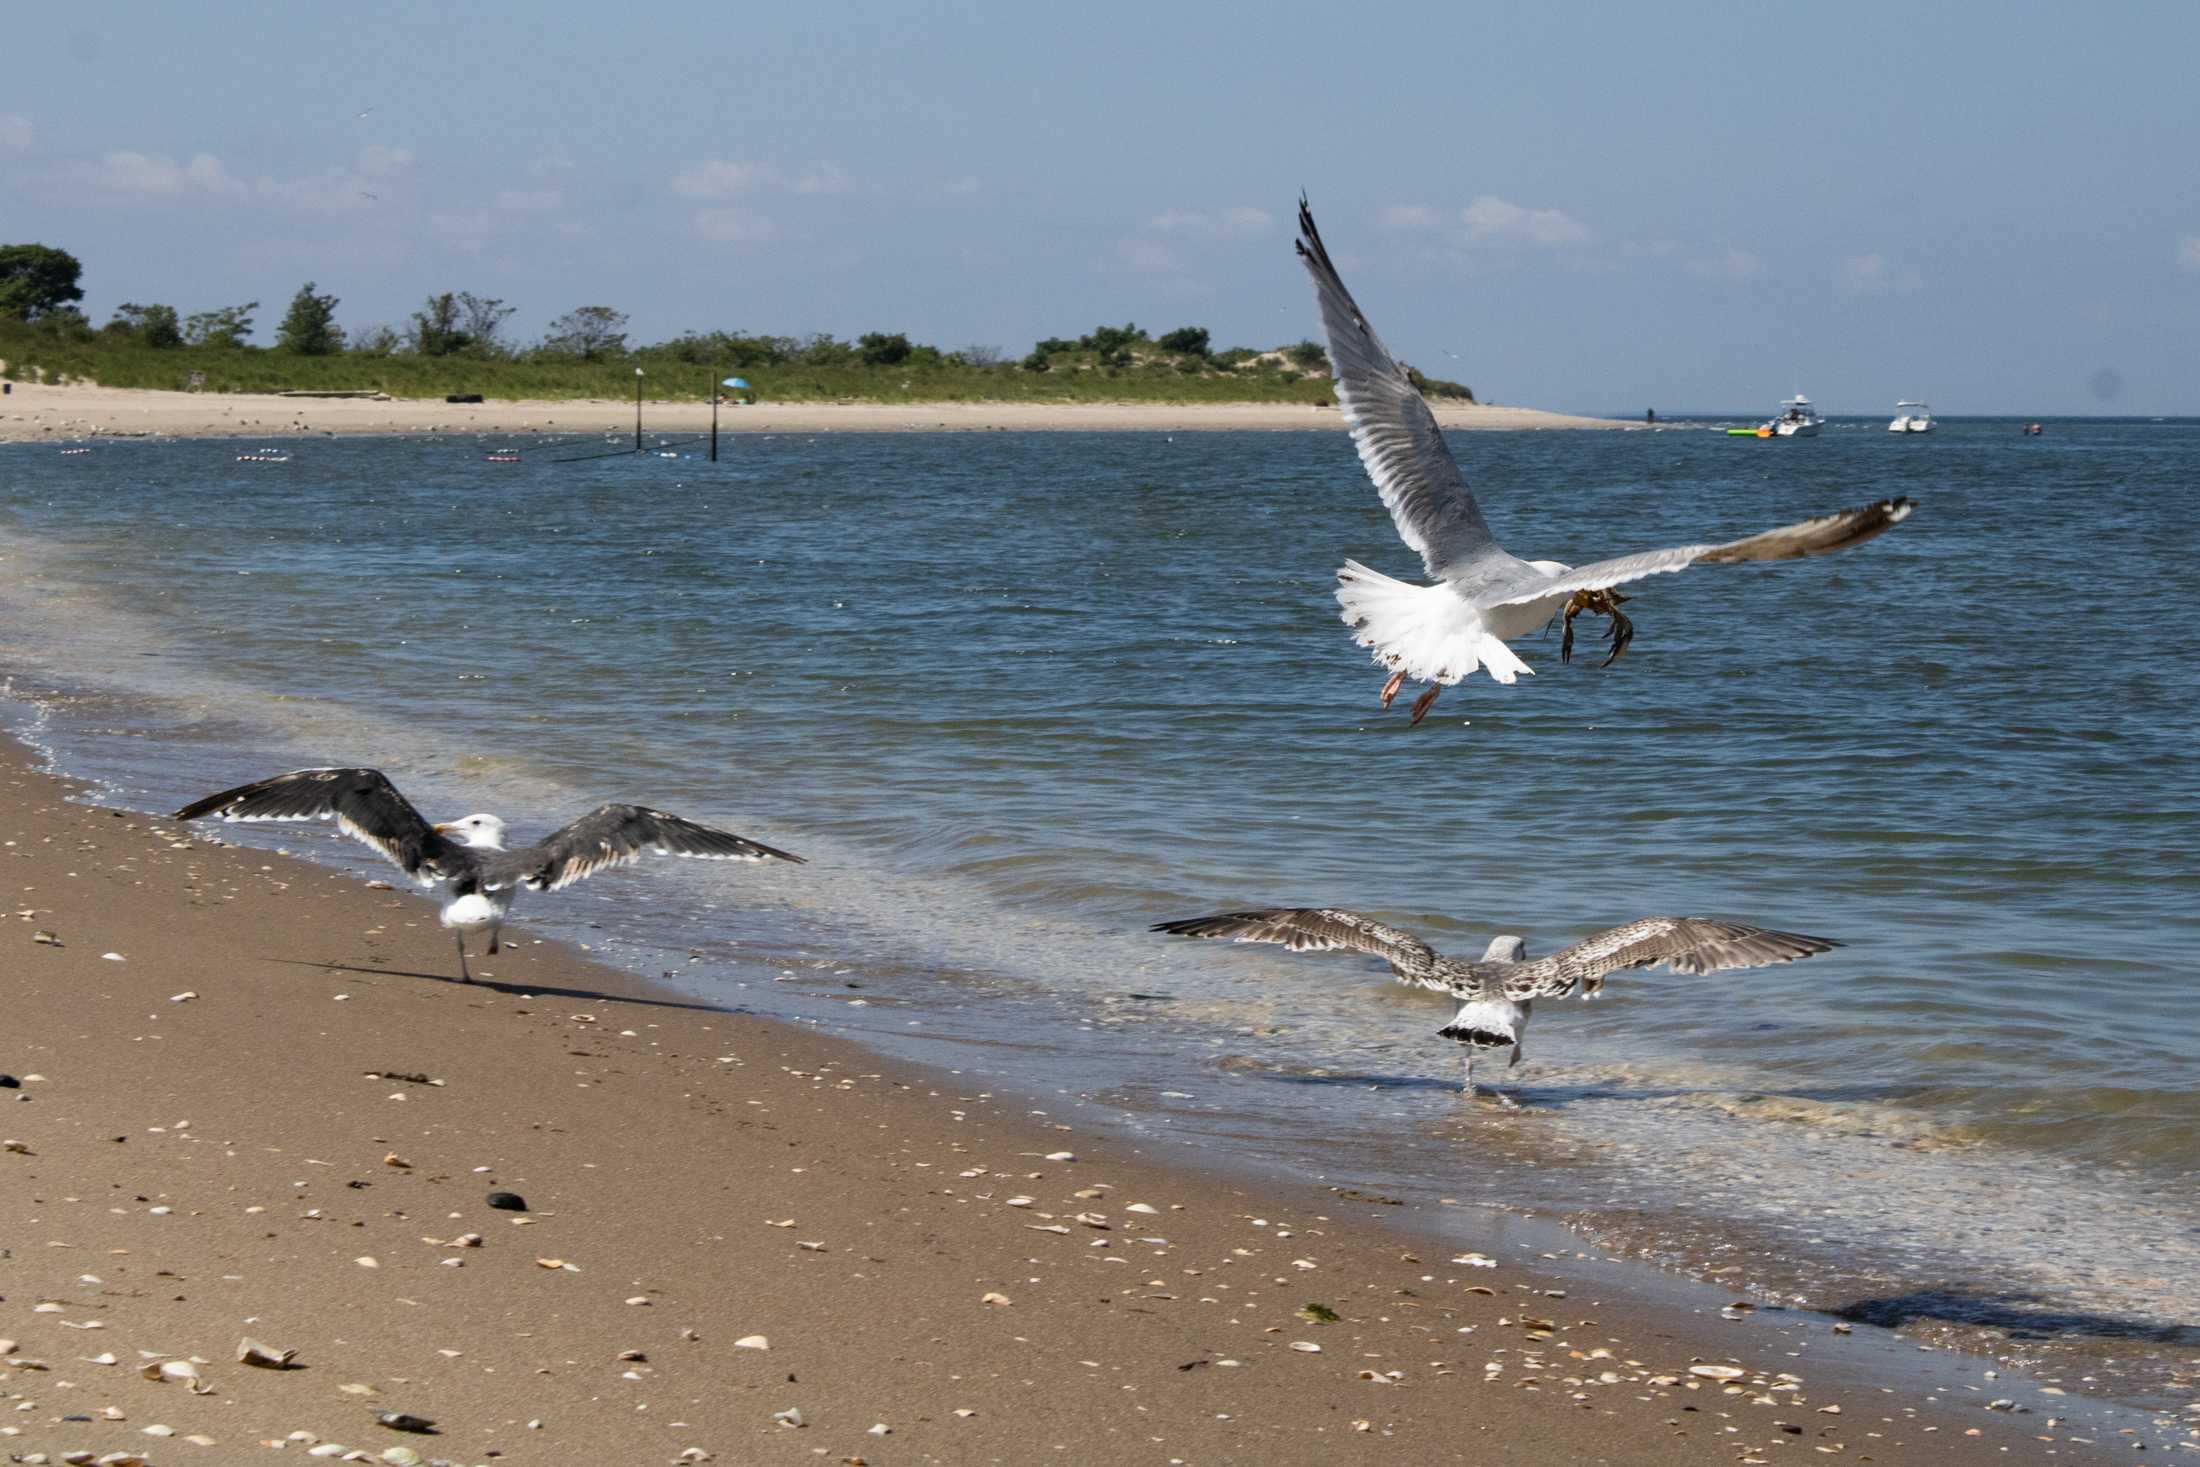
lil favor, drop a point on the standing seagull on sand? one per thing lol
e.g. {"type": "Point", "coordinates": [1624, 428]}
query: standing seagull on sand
{"type": "Point", "coordinates": [1484, 597]}
{"type": "Point", "coordinates": [466, 858]}
{"type": "Point", "coordinates": [1495, 993]}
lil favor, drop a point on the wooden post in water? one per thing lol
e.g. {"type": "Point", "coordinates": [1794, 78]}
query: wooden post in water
{"type": "Point", "coordinates": [714, 395]}
{"type": "Point", "coordinates": [637, 409]}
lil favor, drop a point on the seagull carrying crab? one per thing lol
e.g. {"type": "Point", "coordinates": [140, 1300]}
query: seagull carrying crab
{"type": "Point", "coordinates": [1484, 597]}
{"type": "Point", "coordinates": [1496, 991]}
{"type": "Point", "coordinates": [466, 859]}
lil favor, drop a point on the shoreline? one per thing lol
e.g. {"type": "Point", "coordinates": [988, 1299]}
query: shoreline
{"type": "Point", "coordinates": [664, 1143]}
{"type": "Point", "coordinates": [34, 413]}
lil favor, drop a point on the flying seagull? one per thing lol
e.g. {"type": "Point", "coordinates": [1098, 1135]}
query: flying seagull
{"type": "Point", "coordinates": [466, 858]}
{"type": "Point", "coordinates": [1484, 597]}
{"type": "Point", "coordinates": [1495, 992]}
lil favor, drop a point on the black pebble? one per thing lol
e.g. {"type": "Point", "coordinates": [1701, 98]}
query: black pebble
{"type": "Point", "coordinates": [9, 1082]}
{"type": "Point", "coordinates": [508, 1201]}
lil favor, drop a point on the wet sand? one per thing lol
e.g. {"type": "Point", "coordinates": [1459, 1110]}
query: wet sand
{"type": "Point", "coordinates": [34, 413]}
{"type": "Point", "coordinates": [270, 1113]}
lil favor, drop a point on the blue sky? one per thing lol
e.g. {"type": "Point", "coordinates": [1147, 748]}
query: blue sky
{"type": "Point", "coordinates": [1595, 207]}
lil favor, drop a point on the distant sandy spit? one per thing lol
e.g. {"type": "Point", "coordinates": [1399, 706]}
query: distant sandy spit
{"type": "Point", "coordinates": [32, 414]}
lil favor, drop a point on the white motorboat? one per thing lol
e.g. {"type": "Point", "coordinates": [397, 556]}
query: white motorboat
{"type": "Point", "coordinates": [1911, 417]}
{"type": "Point", "coordinates": [1798, 419]}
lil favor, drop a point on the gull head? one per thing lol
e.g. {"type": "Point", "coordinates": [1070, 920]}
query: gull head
{"type": "Point", "coordinates": [1507, 950]}
{"type": "Point", "coordinates": [485, 832]}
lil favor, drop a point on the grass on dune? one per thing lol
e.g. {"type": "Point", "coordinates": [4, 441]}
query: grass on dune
{"type": "Point", "coordinates": [32, 355]}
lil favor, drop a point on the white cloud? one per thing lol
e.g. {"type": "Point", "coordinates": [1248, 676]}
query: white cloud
{"type": "Point", "coordinates": [1726, 265]}
{"type": "Point", "coordinates": [128, 176]}
{"type": "Point", "coordinates": [15, 133]}
{"type": "Point", "coordinates": [2188, 252]}
{"type": "Point", "coordinates": [378, 161]}
{"type": "Point", "coordinates": [1409, 216]}
{"type": "Point", "coordinates": [734, 226]}
{"type": "Point", "coordinates": [718, 179]}
{"type": "Point", "coordinates": [826, 178]}
{"type": "Point", "coordinates": [1146, 254]}
{"type": "Point", "coordinates": [465, 230]}
{"type": "Point", "coordinates": [1874, 272]}
{"type": "Point", "coordinates": [471, 228]}
{"type": "Point", "coordinates": [1488, 217]}
{"type": "Point", "coordinates": [1233, 223]}
{"type": "Point", "coordinates": [528, 201]}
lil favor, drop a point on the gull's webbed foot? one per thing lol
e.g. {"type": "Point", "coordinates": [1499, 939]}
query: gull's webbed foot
{"type": "Point", "coordinates": [1421, 704]}
{"type": "Point", "coordinates": [1390, 689]}
{"type": "Point", "coordinates": [1603, 603]}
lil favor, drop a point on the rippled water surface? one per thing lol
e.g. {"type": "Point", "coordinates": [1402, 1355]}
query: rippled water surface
{"type": "Point", "coordinates": [1020, 695]}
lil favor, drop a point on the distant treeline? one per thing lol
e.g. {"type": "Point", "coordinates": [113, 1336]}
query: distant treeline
{"type": "Point", "coordinates": [458, 342]}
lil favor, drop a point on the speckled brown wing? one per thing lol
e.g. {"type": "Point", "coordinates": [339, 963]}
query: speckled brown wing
{"type": "Point", "coordinates": [1323, 929]}
{"type": "Point", "coordinates": [1682, 944]}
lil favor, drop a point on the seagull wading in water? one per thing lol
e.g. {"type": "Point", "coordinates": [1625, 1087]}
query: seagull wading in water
{"type": "Point", "coordinates": [466, 859]}
{"type": "Point", "coordinates": [1495, 993]}
{"type": "Point", "coordinates": [1483, 596]}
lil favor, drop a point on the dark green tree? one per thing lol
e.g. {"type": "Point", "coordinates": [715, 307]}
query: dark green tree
{"type": "Point", "coordinates": [880, 350]}
{"type": "Point", "coordinates": [309, 327]}
{"type": "Point", "coordinates": [36, 279]}
{"type": "Point", "coordinates": [461, 322]}
{"type": "Point", "coordinates": [1190, 341]}
{"type": "Point", "coordinates": [483, 318]}
{"type": "Point", "coordinates": [1113, 343]}
{"type": "Point", "coordinates": [228, 326]}
{"type": "Point", "coordinates": [1437, 386]}
{"type": "Point", "coordinates": [435, 330]}
{"type": "Point", "coordinates": [1309, 354]}
{"type": "Point", "coordinates": [375, 341]}
{"type": "Point", "coordinates": [154, 326]}
{"type": "Point", "coordinates": [587, 332]}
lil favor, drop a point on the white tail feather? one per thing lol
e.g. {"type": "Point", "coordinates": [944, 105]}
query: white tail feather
{"type": "Point", "coordinates": [1430, 632]}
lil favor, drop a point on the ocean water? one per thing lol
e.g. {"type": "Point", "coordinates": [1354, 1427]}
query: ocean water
{"type": "Point", "coordinates": [1018, 696]}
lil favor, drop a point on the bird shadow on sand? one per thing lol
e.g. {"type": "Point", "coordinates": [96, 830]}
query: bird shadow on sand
{"type": "Point", "coordinates": [524, 990]}
{"type": "Point", "coordinates": [2019, 1316]}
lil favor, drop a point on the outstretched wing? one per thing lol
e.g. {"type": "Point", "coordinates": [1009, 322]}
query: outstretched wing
{"type": "Point", "coordinates": [1321, 929]}
{"type": "Point", "coordinates": [1818, 536]}
{"type": "Point", "coordinates": [1392, 427]}
{"type": "Point", "coordinates": [362, 802]}
{"type": "Point", "coordinates": [1682, 944]}
{"type": "Point", "coordinates": [613, 836]}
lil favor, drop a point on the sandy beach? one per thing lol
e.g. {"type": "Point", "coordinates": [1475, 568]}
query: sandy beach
{"type": "Point", "coordinates": [33, 413]}
{"type": "Point", "coordinates": [247, 1101]}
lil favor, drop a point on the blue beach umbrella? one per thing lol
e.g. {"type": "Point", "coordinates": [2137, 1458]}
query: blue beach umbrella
{"type": "Point", "coordinates": [740, 382]}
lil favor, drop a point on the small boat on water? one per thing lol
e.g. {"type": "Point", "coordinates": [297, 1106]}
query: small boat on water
{"type": "Point", "coordinates": [2031, 430]}
{"type": "Point", "coordinates": [1798, 419]}
{"type": "Point", "coordinates": [502, 456]}
{"type": "Point", "coordinates": [264, 456]}
{"type": "Point", "coordinates": [1911, 417]}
